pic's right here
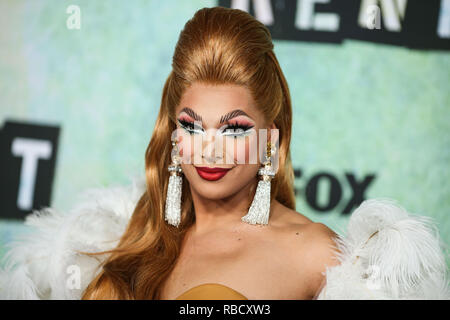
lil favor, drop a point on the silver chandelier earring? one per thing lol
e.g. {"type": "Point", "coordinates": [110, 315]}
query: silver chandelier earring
{"type": "Point", "coordinates": [173, 198]}
{"type": "Point", "coordinates": [260, 207]}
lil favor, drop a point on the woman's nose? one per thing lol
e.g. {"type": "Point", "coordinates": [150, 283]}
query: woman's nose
{"type": "Point", "coordinates": [211, 152]}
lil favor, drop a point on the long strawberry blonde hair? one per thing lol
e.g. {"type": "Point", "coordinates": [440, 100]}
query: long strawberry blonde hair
{"type": "Point", "coordinates": [217, 46]}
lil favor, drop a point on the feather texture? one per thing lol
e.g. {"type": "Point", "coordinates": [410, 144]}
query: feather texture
{"type": "Point", "coordinates": [42, 264]}
{"type": "Point", "coordinates": [388, 253]}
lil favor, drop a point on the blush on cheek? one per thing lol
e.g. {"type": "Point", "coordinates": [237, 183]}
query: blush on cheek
{"type": "Point", "coordinates": [186, 150]}
{"type": "Point", "coordinates": [191, 149]}
{"type": "Point", "coordinates": [251, 150]}
{"type": "Point", "coordinates": [243, 150]}
{"type": "Point", "coordinates": [229, 151]}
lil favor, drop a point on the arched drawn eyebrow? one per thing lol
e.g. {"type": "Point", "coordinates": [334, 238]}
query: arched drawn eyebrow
{"type": "Point", "coordinates": [226, 117]}
{"type": "Point", "coordinates": [191, 113]}
{"type": "Point", "coordinates": [233, 114]}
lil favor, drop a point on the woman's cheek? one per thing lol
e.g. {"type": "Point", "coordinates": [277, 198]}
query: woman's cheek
{"type": "Point", "coordinates": [241, 150]}
{"type": "Point", "coordinates": [186, 150]}
{"type": "Point", "coordinates": [251, 149]}
{"type": "Point", "coordinates": [230, 150]}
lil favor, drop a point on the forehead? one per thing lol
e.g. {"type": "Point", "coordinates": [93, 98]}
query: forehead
{"type": "Point", "coordinates": [212, 101]}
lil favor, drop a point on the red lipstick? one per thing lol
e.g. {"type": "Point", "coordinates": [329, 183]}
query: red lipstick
{"type": "Point", "coordinates": [212, 174]}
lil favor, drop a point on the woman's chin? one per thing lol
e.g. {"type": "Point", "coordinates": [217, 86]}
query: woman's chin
{"type": "Point", "coordinates": [215, 193]}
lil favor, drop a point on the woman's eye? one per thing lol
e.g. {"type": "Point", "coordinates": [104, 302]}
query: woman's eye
{"type": "Point", "coordinates": [236, 130]}
{"type": "Point", "coordinates": [190, 127]}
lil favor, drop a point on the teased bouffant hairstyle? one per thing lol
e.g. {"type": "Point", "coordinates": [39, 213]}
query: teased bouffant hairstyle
{"type": "Point", "coordinates": [217, 46]}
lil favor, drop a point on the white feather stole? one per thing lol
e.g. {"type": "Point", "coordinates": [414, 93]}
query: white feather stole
{"type": "Point", "coordinates": [386, 253]}
{"type": "Point", "coordinates": [39, 265]}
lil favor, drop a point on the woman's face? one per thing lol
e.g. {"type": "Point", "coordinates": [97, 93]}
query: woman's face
{"type": "Point", "coordinates": [217, 132]}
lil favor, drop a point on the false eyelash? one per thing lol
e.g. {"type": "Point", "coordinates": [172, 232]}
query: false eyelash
{"type": "Point", "coordinates": [192, 128]}
{"type": "Point", "coordinates": [189, 126]}
{"type": "Point", "coordinates": [235, 126]}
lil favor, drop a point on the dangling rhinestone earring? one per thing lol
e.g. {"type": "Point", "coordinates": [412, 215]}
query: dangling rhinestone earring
{"type": "Point", "coordinates": [173, 198]}
{"type": "Point", "coordinates": [260, 207]}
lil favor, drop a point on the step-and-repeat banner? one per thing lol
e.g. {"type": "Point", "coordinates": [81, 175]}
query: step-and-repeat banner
{"type": "Point", "coordinates": [81, 83]}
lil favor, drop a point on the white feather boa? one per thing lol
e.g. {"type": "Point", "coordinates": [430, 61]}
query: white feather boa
{"type": "Point", "coordinates": [387, 253]}
{"type": "Point", "coordinates": [38, 265]}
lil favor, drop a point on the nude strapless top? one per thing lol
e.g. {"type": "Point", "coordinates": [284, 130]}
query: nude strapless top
{"type": "Point", "coordinates": [211, 291]}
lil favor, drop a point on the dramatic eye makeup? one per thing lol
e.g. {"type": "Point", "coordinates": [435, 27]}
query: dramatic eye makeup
{"type": "Point", "coordinates": [190, 126]}
{"type": "Point", "coordinates": [188, 121]}
{"type": "Point", "coordinates": [230, 125]}
{"type": "Point", "coordinates": [237, 129]}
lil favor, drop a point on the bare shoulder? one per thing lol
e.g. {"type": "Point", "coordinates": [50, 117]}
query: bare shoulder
{"type": "Point", "coordinates": [319, 253]}
{"type": "Point", "coordinates": [284, 216]}
{"type": "Point", "coordinates": [315, 238]}
{"type": "Point", "coordinates": [311, 245]}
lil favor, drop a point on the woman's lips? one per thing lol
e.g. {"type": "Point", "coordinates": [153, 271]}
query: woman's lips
{"type": "Point", "coordinates": [212, 174]}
